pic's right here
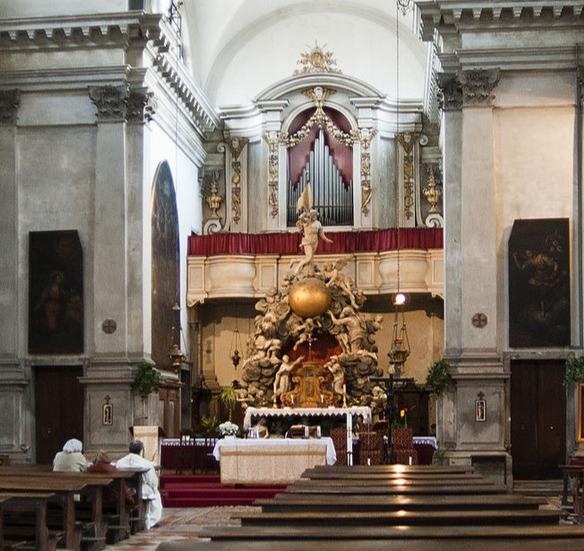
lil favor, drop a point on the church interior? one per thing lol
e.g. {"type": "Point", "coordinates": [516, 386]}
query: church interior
{"type": "Point", "coordinates": [297, 258]}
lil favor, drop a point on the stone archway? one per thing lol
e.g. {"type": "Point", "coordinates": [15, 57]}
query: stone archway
{"type": "Point", "coordinates": [165, 266]}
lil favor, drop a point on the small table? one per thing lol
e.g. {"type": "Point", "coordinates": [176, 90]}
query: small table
{"type": "Point", "coordinates": [348, 413]}
{"type": "Point", "coordinates": [271, 461]}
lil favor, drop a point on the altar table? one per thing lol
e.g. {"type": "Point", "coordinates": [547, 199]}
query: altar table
{"type": "Point", "coordinates": [271, 460]}
{"type": "Point", "coordinates": [347, 412]}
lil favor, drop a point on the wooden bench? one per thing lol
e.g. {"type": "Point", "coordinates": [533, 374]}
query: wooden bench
{"type": "Point", "coordinates": [118, 523]}
{"type": "Point", "coordinates": [494, 544]}
{"type": "Point", "coordinates": [326, 475]}
{"type": "Point", "coordinates": [31, 502]}
{"type": "Point", "coordinates": [376, 482]}
{"type": "Point", "coordinates": [401, 517]}
{"type": "Point", "coordinates": [436, 469]}
{"type": "Point", "coordinates": [334, 503]}
{"type": "Point", "coordinates": [397, 489]}
{"type": "Point", "coordinates": [65, 490]}
{"type": "Point", "coordinates": [297, 533]}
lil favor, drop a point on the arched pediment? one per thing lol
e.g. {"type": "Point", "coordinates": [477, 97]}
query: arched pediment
{"type": "Point", "coordinates": [337, 81]}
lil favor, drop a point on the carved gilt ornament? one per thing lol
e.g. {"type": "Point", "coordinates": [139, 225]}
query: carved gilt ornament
{"type": "Point", "coordinates": [317, 60]}
{"type": "Point", "coordinates": [236, 146]}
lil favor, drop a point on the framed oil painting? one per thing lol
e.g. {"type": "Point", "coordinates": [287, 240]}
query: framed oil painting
{"type": "Point", "coordinates": [55, 306]}
{"type": "Point", "coordinates": [539, 283]}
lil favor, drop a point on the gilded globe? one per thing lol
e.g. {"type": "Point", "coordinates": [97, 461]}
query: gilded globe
{"type": "Point", "coordinates": [309, 298]}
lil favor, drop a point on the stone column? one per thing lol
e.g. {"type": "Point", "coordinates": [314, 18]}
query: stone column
{"type": "Point", "coordinates": [16, 438]}
{"type": "Point", "coordinates": [108, 376]}
{"type": "Point", "coordinates": [451, 99]}
{"type": "Point", "coordinates": [472, 276]}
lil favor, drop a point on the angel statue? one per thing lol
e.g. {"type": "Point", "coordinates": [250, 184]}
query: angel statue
{"type": "Point", "coordinates": [282, 379]}
{"type": "Point", "coordinates": [311, 228]}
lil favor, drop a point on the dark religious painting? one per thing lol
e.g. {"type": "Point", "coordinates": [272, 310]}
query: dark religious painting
{"type": "Point", "coordinates": [165, 267]}
{"type": "Point", "coordinates": [539, 283]}
{"type": "Point", "coordinates": [55, 299]}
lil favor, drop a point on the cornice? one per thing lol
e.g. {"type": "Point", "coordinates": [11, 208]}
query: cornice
{"type": "Point", "coordinates": [499, 14]}
{"type": "Point", "coordinates": [123, 30]}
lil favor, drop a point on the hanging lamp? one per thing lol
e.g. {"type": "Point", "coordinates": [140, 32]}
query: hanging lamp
{"type": "Point", "coordinates": [400, 342]}
{"type": "Point", "coordinates": [234, 348]}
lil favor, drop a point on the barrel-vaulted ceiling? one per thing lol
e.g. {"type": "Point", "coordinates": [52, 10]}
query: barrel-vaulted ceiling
{"type": "Point", "coordinates": [237, 48]}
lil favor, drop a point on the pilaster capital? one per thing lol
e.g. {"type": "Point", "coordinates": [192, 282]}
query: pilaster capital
{"type": "Point", "coordinates": [236, 146]}
{"type": "Point", "coordinates": [111, 102]}
{"type": "Point", "coordinates": [140, 105]}
{"type": "Point", "coordinates": [449, 92]}
{"type": "Point", "coordinates": [478, 86]}
{"type": "Point", "coordinates": [9, 103]}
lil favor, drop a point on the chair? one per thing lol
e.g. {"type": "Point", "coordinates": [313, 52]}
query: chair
{"type": "Point", "coordinates": [339, 437]}
{"type": "Point", "coordinates": [203, 455]}
{"type": "Point", "coordinates": [402, 440]}
{"type": "Point", "coordinates": [371, 447]}
{"type": "Point", "coordinates": [185, 455]}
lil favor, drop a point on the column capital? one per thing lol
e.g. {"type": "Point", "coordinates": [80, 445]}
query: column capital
{"type": "Point", "coordinates": [111, 102]}
{"type": "Point", "coordinates": [9, 103]}
{"type": "Point", "coordinates": [478, 86]}
{"type": "Point", "coordinates": [449, 92]}
{"type": "Point", "coordinates": [140, 105]}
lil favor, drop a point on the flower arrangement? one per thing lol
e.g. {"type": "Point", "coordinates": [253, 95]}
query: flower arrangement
{"type": "Point", "coordinates": [228, 429]}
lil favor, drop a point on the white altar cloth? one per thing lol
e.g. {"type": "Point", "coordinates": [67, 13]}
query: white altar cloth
{"type": "Point", "coordinates": [347, 412]}
{"type": "Point", "coordinates": [271, 460]}
{"type": "Point", "coordinates": [250, 412]}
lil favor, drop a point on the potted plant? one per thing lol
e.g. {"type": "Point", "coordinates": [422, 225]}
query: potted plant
{"type": "Point", "coordinates": [228, 399]}
{"type": "Point", "coordinates": [438, 377]}
{"type": "Point", "coordinates": [146, 382]}
{"type": "Point", "coordinates": [574, 372]}
{"type": "Point", "coordinates": [209, 425]}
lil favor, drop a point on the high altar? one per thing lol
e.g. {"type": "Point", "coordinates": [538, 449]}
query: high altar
{"type": "Point", "coordinates": [313, 353]}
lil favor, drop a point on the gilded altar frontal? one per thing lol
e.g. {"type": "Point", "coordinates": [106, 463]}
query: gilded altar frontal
{"type": "Point", "coordinates": [332, 248]}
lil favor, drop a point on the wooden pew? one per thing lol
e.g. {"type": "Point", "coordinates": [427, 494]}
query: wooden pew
{"type": "Point", "coordinates": [380, 482]}
{"type": "Point", "coordinates": [35, 503]}
{"type": "Point", "coordinates": [64, 489]}
{"type": "Point", "coordinates": [401, 517]}
{"type": "Point", "coordinates": [325, 475]}
{"type": "Point", "coordinates": [334, 503]}
{"type": "Point", "coordinates": [436, 469]}
{"type": "Point", "coordinates": [493, 544]}
{"type": "Point", "coordinates": [296, 533]}
{"type": "Point", "coordinates": [396, 489]}
{"type": "Point", "coordinates": [119, 479]}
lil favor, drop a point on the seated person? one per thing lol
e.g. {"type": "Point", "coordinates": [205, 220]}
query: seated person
{"type": "Point", "coordinates": [70, 459]}
{"type": "Point", "coordinates": [150, 493]}
{"type": "Point", "coordinates": [103, 464]}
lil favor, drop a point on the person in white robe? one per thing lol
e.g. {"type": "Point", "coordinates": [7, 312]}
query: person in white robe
{"type": "Point", "coordinates": [70, 459]}
{"type": "Point", "coordinates": [150, 493]}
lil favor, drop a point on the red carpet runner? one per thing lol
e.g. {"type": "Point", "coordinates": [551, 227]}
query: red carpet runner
{"type": "Point", "coordinates": [207, 491]}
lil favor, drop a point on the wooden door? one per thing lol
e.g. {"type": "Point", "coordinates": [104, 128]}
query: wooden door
{"type": "Point", "coordinates": [59, 409]}
{"type": "Point", "coordinates": [538, 418]}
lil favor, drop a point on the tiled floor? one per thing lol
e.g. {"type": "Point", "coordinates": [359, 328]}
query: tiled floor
{"type": "Point", "coordinates": [181, 524]}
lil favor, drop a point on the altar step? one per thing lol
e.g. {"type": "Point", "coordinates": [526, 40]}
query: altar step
{"type": "Point", "coordinates": [207, 491]}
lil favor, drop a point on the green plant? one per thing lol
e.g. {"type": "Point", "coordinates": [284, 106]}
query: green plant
{"type": "Point", "coordinates": [438, 377]}
{"type": "Point", "coordinates": [146, 380]}
{"type": "Point", "coordinates": [209, 425]}
{"type": "Point", "coordinates": [228, 399]}
{"type": "Point", "coordinates": [574, 371]}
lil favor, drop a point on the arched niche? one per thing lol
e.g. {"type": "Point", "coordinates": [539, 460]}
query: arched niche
{"type": "Point", "coordinates": [165, 266]}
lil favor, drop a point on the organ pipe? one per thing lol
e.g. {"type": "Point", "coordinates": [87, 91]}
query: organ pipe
{"type": "Point", "coordinates": [332, 196]}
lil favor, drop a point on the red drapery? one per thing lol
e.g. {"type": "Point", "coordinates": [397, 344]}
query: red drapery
{"type": "Point", "coordinates": [289, 243]}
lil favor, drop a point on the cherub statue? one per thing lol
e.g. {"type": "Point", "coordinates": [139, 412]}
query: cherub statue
{"type": "Point", "coordinates": [304, 331]}
{"type": "Point", "coordinates": [333, 274]}
{"type": "Point", "coordinates": [282, 378]}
